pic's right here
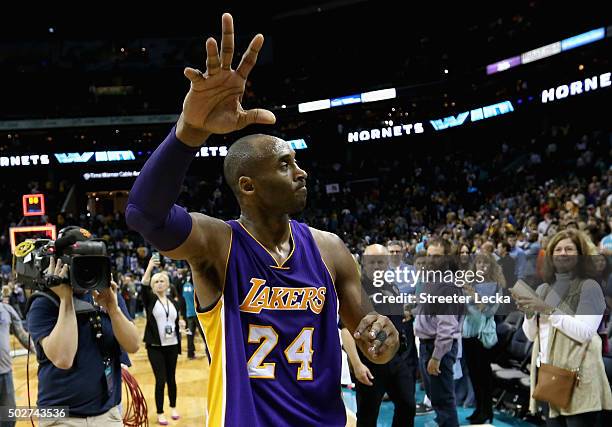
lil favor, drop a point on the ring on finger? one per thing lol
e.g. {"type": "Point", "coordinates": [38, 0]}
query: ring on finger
{"type": "Point", "coordinates": [381, 336]}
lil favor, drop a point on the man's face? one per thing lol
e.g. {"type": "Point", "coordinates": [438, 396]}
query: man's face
{"type": "Point", "coordinates": [435, 250]}
{"type": "Point", "coordinates": [435, 256]}
{"type": "Point", "coordinates": [512, 241]}
{"type": "Point", "coordinates": [396, 253]}
{"type": "Point", "coordinates": [501, 250]}
{"type": "Point", "coordinates": [420, 263]}
{"type": "Point", "coordinates": [281, 184]}
{"type": "Point", "coordinates": [372, 263]}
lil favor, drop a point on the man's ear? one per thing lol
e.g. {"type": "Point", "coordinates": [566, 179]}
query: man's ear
{"type": "Point", "coordinates": [245, 184]}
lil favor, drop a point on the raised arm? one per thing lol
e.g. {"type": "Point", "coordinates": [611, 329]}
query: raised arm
{"type": "Point", "coordinates": [374, 334]}
{"type": "Point", "coordinates": [146, 277]}
{"type": "Point", "coordinates": [125, 331]}
{"type": "Point", "coordinates": [61, 345]}
{"type": "Point", "coordinates": [212, 106]}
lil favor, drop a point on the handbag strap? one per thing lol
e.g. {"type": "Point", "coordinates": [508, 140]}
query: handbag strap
{"type": "Point", "coordinates": [552, 343]}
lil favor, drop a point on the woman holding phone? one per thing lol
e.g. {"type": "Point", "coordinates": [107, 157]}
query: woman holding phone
{"type": "Point", "coordinates": [162, 335]}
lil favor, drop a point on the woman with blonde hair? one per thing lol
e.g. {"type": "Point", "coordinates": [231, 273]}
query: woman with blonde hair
{"type": "Point", "coordinates": [562, 320]}
{"type": "Point", "coordinates": [162, 336]}
{"type": "Point", "coordinates": [479, 334]}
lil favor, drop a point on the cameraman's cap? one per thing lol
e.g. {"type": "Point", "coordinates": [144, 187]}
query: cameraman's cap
{"type": "Point", "coordinates": [79, 234]}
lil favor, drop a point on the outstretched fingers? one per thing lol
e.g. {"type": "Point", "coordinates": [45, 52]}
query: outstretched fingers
{"type": "Point", "coordinates": [256, 116]}
{"type": "Point", "coordinates": [213, 64]}
{"type": "Point", "coordinates": [250, 56]}
{"type": "Point", "coordinates": [192, 74]}
{"type": "Point", "coordinates": [227, 41]}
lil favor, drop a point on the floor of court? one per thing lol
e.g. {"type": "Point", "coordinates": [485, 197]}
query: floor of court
{"type": "Point", "coordinates": [385, 416]}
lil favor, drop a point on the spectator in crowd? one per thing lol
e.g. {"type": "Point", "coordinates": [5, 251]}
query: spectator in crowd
{"type": "Point", "coordinates": [397, 252]}
{"type": "Point", "coordinates": [507, 263]}
{"type": "Point", "coordinates": [9, 319]}
{"type": "Point", "coordinates": [162, 335]}
{"type": "Point", "coordinates": [397, 377]}
{"type": "Point", "coordinates": [130, 293]}
{"type": "Point", "coordinates": [479, 335]}
{"type": "Point", "coordinates": [532, 250]}
{"type": "Point", "coordinates": [438, 327]}
{"type": "Point", "coordinates": [189, 313]}
{"type": "Point", "coordinates": [517, 254]}
{"type": "Point", "coordinates": [563, 320]}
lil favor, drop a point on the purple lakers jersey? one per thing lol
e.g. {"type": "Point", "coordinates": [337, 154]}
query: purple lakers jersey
{"type": "Point", "coordinates": [273, 338]}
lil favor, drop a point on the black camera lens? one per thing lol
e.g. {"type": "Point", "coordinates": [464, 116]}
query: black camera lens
{"type": "Point", "coordinates": [90, 272]}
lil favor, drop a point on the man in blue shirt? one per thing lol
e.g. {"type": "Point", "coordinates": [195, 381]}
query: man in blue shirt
{"type": "Point", "coordinates": [518, 255]}
{"type": "Point", "coordinates": [76, 368]}
{"type": "Point", "coordinates": [191, 316]}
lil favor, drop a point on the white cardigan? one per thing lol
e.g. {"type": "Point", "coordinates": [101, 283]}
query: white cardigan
{"type": "Point", "coordinates": [581, 327]}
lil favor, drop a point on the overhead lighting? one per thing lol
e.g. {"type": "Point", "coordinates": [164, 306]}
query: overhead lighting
{"type": "Point", "coordinates": [345, 100]}
{"type": "Point", "coordinates": [378, 95]}
{"type": "Point", "coordinates": [504, 64]}
{"type": "Point", "coordinates": [321, 104]}
{"type": "Point", "coordinates": [541, 52]}
{"type": "Point", "coordinates": [582, 39]}
{"type": "Point", "coordinates": [298, 144]}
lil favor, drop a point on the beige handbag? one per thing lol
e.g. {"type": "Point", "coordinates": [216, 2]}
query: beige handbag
{"type": "Point", "coordinates": [556, 385]}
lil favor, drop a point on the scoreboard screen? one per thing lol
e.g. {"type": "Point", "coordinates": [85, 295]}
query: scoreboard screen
{"type": "Point", "coordinates": [33, 204]}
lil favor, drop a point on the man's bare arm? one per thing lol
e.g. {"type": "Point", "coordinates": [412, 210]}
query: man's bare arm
{"type": "Point", "coordinates": [208, 236]}
{"type": "Point", "coordinates": [374, 334]}
{"type": "Point", "coordinates": [23, 337]}
{"type": "Point", "coordinates": [206, 249]}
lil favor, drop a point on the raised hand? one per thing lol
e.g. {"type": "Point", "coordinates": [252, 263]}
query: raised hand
{"type": "Point", "coordinates": [107, 298]}
{"type": "Point", "coordinates": [60, 271]}
{"type": "Point", "coordinates": [213, 103]}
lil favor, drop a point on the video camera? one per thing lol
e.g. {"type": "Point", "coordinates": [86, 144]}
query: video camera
{"type": "Point", "coordinates": [89, 264]}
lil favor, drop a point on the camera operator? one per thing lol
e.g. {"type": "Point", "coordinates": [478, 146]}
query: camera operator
{"type": "Point", "coordinates": [79, 349]}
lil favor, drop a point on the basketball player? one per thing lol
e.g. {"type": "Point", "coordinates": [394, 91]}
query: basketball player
{"type": "Point", "coordinates": [267, 287]}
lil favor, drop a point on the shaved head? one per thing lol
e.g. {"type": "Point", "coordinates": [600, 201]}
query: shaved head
{"type": "Point", "coordinates": [375, 259]}
{"type": "Point", "coordinates": [376, 249]}
{"type": "Point", "coordinates": [245, 156]}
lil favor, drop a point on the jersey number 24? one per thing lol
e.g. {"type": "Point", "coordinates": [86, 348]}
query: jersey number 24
{"type": "Point", "coordinates": [299, 351]}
